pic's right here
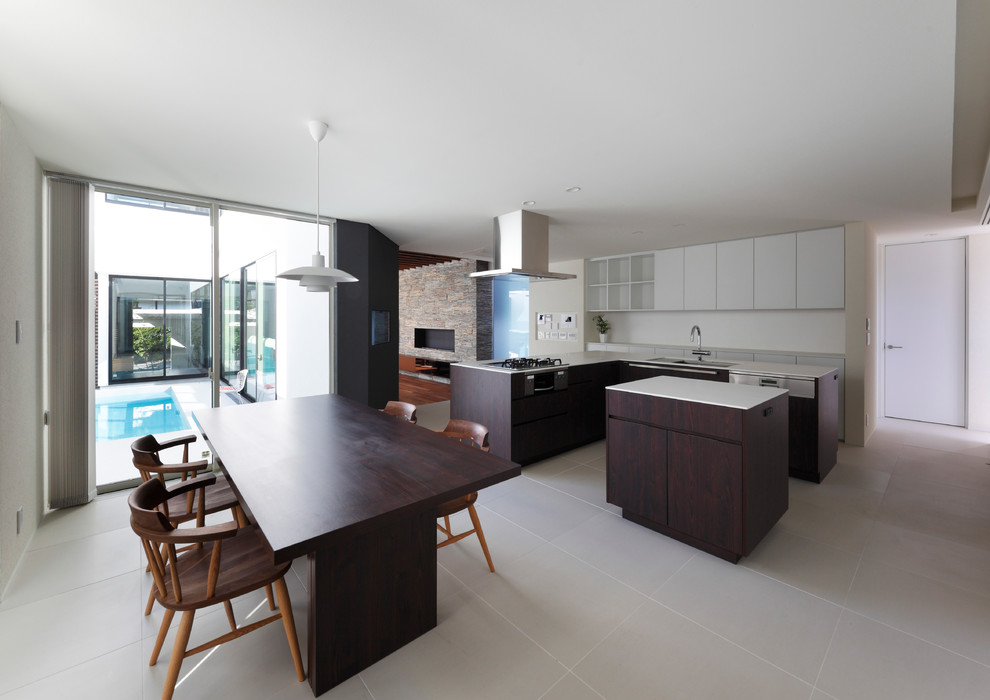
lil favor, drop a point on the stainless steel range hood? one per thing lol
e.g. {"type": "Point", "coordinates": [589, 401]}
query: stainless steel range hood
{"type": "Point", "coordinates": [522, 247]}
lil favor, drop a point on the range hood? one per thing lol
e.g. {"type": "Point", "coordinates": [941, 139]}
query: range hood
{"type": "Point", "coordinates": [522, 247]}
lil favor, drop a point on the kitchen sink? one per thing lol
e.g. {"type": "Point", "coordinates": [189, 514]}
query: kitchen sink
{"type": "Point", "coordinates": [693, 363]}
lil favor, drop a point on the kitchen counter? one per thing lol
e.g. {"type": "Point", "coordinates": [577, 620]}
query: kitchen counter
{"type": "Point", "coordinates": [740, 396]}
{"type": "Point", "coordinates": [771, 369]}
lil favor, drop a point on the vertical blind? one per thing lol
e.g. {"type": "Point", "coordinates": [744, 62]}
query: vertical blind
{"type": "Point", "coordinates": [70, 370]}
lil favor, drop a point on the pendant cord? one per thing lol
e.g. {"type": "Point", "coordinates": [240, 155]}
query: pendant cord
{"type": "Point", "coordinates": [317, 197]}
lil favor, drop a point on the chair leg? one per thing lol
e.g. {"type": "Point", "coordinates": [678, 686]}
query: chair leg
{"type": "Point", "coordinates": [162, 632]}
{"type": "Point", "coordinates": [481, 536]}
{"type": "Point", "coordinates": [289, 622]}
{"type": "Point", "coordinates": [151, 601]}
{"type": "Point", "coordinates": [271, 598]}
{"type": "Point", "coordinates": [230, 615]}
{"type": "Point", "coordinates": [178, 653]}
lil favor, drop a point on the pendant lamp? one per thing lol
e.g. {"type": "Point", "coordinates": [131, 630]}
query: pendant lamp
{"type": "Point", "coordinates": [317, 277]}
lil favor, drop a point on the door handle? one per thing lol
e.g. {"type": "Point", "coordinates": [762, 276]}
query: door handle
{"type": "Point", "coordinates": [891, 347]}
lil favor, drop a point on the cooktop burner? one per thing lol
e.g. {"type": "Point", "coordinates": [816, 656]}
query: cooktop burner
{"type": "Point", "coordinates": [529, 362]}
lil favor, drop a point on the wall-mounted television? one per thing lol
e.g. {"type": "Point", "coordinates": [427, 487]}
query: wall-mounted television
{"type": "Point", "coordinates": [434, 338]}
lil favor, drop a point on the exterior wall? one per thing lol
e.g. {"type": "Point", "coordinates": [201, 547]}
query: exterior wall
{"type": "Point", "coordinates": [443, 296]}
{"type": "Point", "coordinates": [21, 435]}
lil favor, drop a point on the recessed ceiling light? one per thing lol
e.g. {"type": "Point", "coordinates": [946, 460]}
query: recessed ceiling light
{"type": "Point", "coordinates": [573, 189]}
{"type": "Point", "coordinates": [528, 203]}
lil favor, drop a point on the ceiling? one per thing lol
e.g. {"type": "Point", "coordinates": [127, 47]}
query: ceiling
{"type": "Point", "coordinates": [681, 122]}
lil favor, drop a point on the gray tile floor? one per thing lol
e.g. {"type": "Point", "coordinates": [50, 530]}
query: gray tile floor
{"type": "Point", "coordinates": [874, 584]}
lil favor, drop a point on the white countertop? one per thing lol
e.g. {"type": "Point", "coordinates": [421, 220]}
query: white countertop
{"type": "Point", "coordinates": [741, 396]}
{"type": "Point", "coordinates": [766, 369]}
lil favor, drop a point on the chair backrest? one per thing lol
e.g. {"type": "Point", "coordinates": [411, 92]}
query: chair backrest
{"type": "Point", "coordinates": [467, 431]}
{"type": "Point", "coordinates": [240, 381]}
{"type": "Point", "coordinates": [144, 452]}
{"type": "Point", "coordinates": [150, 524]}
{"type": "Point", "coordinates": [401, 409]}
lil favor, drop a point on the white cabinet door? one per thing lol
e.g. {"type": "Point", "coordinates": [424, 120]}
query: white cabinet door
{"type": "Point", "coordinates": [699, 277]}
{"type": "Point", "coordinates": [668, 279]}
{"type": "Point", "coordinates": [775, 272]}
{"type": "Point", "coordinates": [734, 269]}
{"type": "Point", "coordinates": [821, 269]}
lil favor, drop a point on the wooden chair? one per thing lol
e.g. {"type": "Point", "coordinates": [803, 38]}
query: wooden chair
{"type": "Point", "coordinates": [145, 454]}
{"type": "Point", "coordinates": [231, 561]}
{"type": "Point", "coordinates": [477, 435]}
{"type": "Point", "coordinates": [401, 409]}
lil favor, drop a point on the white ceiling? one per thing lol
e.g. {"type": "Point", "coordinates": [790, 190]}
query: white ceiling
{"type": "Point", "coordinates": [681, 121]}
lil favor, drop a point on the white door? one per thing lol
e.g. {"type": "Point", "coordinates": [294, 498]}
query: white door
{"type": "Point", "coordinates": [925, 332]}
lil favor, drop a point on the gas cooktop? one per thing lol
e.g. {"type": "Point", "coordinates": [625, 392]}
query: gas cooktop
{"type": "Point", "coordinates": [517, 363]}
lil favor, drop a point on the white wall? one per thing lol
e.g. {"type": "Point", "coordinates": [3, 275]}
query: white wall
{"type": "Point", "coordinates": [558, 296]}
{"type": "Point", "coordinates": [978, 332]}
{"type": "Point", "coordinates": [21, 434]}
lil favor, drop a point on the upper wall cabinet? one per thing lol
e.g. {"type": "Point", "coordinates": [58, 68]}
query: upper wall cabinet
{"type": "Point", "coordinates": [821, 280]}
{"type": "Point", "coordinates": [734, 279]}
{"type": "Point", "coordinates": [804, 270]}
{"type": "Point", "coordinates": [620, 282]}
{"type": "Point", "coordinates": [699, 277]}
{"type": "Point", "coordinates": [775, 272]}
{"type": "Point", "coordinates": [668, 279]}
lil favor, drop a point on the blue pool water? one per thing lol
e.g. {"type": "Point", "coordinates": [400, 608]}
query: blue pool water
{"type": "Point", "coordinates": [134, 415]}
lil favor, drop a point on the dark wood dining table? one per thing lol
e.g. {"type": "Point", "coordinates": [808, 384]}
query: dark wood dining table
{"type": "Point", "coordinates": [356, 491]}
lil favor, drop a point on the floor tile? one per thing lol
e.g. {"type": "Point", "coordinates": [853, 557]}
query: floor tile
{"type": "Point", "coordinates": [542, 510]}
{"type": "Point", "coordinates": [842, 529]}
{"type": "Point", "coordinates": [810, 566]}
{"type": "Point", "coordinates": [955, 564]}
{"type": "Point", "coordinates": [564, 605]}
{"type": "Point", "coordinates": [506, 543]}
{"type": "Point", "coordinates": [658, 653]}
{"type": "Point", "coordinates": [71, 628]}
{"type": "Point", "coordinates": [61, 567]}
{"type": "Point", "coordinates": [635, 555]}
{"type": "Point", "coordinates": [583, 482]}
{"type": "Point", "coordinates": [586, 454]}
{"type": "Point", "coordinates": [570, 687]}
{"type": "Point", "coordinates": [868, 660]}
{"type": "Point", "coordinates": [103, 514]}
{"type": "Point", "coordinates": [473, 652]}
{"type": "Point", "coordinates": [936, 612]}
{"type": "Point", "coordinates": [115, 675]}
{"type": "Point", "coordinates": [943, 510]}
{"type": "Point", "coordinates": [778, 623]}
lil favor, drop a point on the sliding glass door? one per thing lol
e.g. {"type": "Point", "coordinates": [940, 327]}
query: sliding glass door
{"type": "Point", "coordinates": [159, 328]}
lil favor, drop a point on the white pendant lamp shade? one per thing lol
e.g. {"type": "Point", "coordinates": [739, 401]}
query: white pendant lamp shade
{"type": "Point", "coordinates": [317, 277]}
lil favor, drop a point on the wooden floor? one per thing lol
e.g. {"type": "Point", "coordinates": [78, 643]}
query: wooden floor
{"type": "Point", "coordinates": [420, 391]}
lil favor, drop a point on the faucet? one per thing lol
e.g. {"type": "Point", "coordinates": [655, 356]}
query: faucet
{"type": "Point", "coordinates": [696, 330]}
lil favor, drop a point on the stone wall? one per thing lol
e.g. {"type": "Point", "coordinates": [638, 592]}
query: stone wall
{"type": "Point", "coordinates": [443, 296]}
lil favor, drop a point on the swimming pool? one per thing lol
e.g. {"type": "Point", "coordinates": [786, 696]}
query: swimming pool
{"type": "Point", "coordinates": [133, 415]}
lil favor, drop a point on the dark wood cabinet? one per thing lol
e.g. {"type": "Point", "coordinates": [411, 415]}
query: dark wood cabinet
{"type": "Point", "coordinates": [814, 430]}
{"type": "Point", "coordinates": [711, 475]}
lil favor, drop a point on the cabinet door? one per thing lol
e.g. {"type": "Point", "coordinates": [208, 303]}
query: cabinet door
{"type": "Point", "coordinates": [775, 272]}
{"type": "Point", "coordinates": [636, 469]}
{"type": "Point", "coordinates": [668, 279]}
{"type": "Point", "coordinates": [699, 277]}
{"type": "Point", "coordinates": [704, 489]}
{"type": "Point", "coordinates": [821, 269]}
{"type": "Point", "coordinates": [734, 274]}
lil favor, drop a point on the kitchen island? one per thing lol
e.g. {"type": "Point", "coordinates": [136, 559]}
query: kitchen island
{"type": "Point", "coordinates": [703, 462]}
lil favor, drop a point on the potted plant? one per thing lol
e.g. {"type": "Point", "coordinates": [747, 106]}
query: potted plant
{"type": "Point", "coordinates": [603, 327]}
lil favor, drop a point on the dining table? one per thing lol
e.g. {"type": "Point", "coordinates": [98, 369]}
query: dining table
{"type": "Point", "coordinates": [356, 492]}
